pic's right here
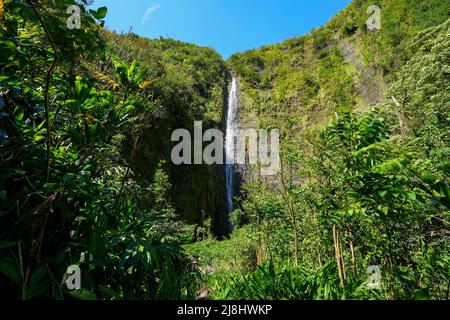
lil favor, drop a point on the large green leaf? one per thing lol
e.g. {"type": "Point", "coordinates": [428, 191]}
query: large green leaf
{"type": "Point", "coordinates": [9, 268]}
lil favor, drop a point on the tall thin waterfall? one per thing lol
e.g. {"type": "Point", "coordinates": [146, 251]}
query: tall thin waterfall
{"type": "Point", "coordinates": [229, 144]}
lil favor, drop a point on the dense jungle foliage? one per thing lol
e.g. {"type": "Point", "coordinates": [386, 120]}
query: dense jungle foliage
{"type": "Point", "coordinates": [85, 124]}
{"type": "Point", "coordinates": [86, 117]}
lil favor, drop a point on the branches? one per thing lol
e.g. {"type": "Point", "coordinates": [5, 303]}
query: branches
{"type": "Point", "coordinates": [48, 77]}
{"type": "Point", "coordinates": [292, 216]}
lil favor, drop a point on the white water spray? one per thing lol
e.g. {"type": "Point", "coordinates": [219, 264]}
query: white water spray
{"type": "Point", "coordinates": [229, 145]}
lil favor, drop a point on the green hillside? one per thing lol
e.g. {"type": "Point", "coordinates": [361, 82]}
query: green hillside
{"type": "Point", "coordinates": [340, 67]}
{"type": "Point", "coordinates": [86, 177]}
{"type": "Point", "coordinates": [87, 180]}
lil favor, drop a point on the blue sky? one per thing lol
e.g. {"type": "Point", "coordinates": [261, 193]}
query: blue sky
{"type": "Point", "coordinates": [229, 26]}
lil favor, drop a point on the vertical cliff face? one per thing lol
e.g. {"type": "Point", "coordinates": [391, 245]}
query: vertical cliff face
{"type": "Point", "coordinates": [304, 83]}
{"type": "Point", "coordinates": [301, 84]}
{"type": "Point", "coordinates": [191, 84]}
{"type": "Point", "coordinates": [198, 191]}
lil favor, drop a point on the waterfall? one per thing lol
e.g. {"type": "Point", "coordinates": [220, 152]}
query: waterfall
{"type": "Point", "coordinates": [229, 145]}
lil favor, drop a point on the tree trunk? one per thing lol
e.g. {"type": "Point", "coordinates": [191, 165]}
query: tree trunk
{"type": "Point", "coordinates": [337, 255]}
{"type": "Point", "coordinates": [352, 251]}
{"type": "Point", "coordinates": [341, 254]}
{"type": "Point", "coordinates": [401, 119]}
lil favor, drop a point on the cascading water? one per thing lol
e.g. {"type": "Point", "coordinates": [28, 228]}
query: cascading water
{"type": "Point", "coordinates": [229, 145]}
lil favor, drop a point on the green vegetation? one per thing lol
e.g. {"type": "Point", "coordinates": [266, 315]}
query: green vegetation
{"type": "Point", "coordinates": [189, 84]}
{"type": "Point", "coordinates": [83, 178]}
{"type": "Point", "coordinates": [86, 178]}
{"type": "Point", "coordinates": [365, 180]}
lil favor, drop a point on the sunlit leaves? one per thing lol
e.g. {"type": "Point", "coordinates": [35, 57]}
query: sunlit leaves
{"type": "Point", "coordinates": [100, 13]}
